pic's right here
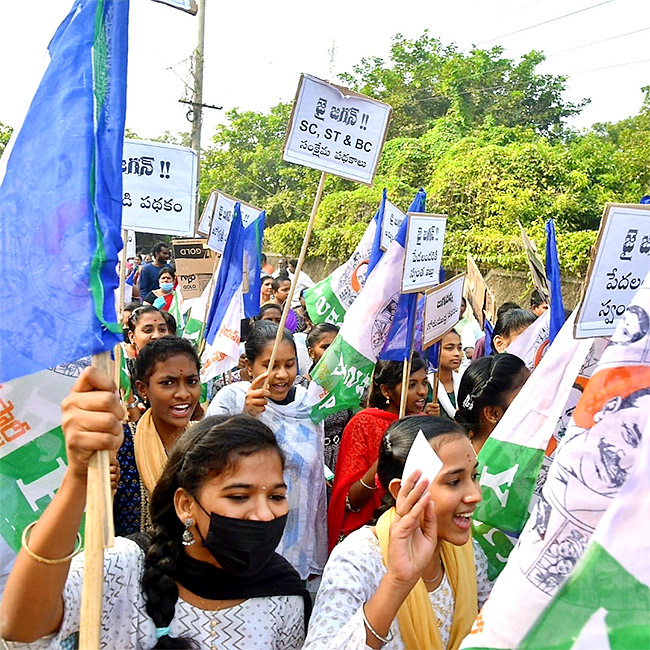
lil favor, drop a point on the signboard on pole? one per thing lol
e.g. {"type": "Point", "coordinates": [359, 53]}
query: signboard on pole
{"type": "Point", "coordinates": [189, 6]}
{"type": "Point", "coordinates": [390, 224]}
{"type": "Point", "coordinates": [425, 238]}
{"type": "Point", "coordinates": [336, 130]}
{"type": "Point", "coordinates": [442, 309]}
{"type": "Point", "coordinates": [130, 244]}
{"type": "Point", "coordinates": [194, 266]}
{"type": "Point", "coordinates": [206, 217]}
{"type": "Point", "coordinates": [537, 270]}
{"type": "Point", "coordinates": [475, 290]}
{"type": "Point", "coordinates": [618, 269]}
{"type": "Point", "coordinates": [159, 185]}
{"type": "Point", "coordinates": [223, 211]}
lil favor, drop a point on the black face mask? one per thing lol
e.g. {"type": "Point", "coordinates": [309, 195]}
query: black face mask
{"type": "Point", "coordinates": [242, 546]}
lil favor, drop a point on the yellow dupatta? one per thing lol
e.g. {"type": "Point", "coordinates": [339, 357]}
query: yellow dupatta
{"type": "Point", "coordinates": [417, 621]}
{"type": "Point", "coordinates": [150, 454]}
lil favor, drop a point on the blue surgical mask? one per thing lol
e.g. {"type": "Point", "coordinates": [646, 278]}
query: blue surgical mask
{"type": "Point", "coordinates": [167, 287]}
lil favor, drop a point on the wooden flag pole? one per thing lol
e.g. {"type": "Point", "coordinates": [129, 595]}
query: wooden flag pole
{"type": "Point", "coordinates": [436, 381]}
{"type": "Point", "coordinates": [406, 369]}
{"type": "Point", "coordinates": [117, 351]}
{"type": "Point", "coordinates": [99, 534]}
{"type": "Point", "coordinates": [301, 259]}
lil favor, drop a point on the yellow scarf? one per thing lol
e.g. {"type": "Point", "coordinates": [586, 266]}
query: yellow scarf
{"type": "Point", "coordinates": [416, 618]}
{"type": "Point", "coordinates": [150, 454]}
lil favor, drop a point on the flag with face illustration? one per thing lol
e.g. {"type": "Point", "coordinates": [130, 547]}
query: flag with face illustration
{"type": "Point", "coordinates": [605, 603]}
{"type": "Point", "coordinates": [592, 462]}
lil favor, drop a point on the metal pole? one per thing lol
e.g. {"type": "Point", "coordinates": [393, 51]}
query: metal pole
{"type": "Point", "coordinates": [197, 108]}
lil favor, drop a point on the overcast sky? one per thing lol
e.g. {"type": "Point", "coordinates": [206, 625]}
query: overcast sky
{"type": "Point", "coordinates": [255, 50]}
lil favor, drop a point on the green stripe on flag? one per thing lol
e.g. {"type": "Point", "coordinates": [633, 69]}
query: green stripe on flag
{"type": "Point", "coordinates": [343, 376]}
{"type": "Point", "coordinates": [495, 544]}
{"type": "Point", "coordinates": [598, 582]}
{"type": "Point", "coordinates": [322, 303]}
{"type": "Point", "coordinates": [507, 474]}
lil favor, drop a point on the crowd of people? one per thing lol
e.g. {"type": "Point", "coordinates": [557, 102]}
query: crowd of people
{"type": "Point", "coordinates": [237, 515]}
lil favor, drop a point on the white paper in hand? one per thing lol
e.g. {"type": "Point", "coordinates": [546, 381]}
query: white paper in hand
{"type": "Point", "coordinates": [422, 457]}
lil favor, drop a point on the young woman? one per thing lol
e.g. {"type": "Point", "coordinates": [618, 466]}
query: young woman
{"type": "Point", "coordinates": [285, 409]}
{"type": "Point", "coordinates": [146, 323]}
{"type": "Point", "coordinates": [356, 495]}
{"type": "Point", "coordinates": [415, 580]}
{"type": "Point", "coordinates": [162, 297]}
{"type": "Point", "coordinates": [167, 378]}
{"type": "Point", "coordinates": [266, 289]}
{"type": "Point", "coordinates": [509, 326]}
{"type": "Point", "coordinates": [318, 340]}
{"type": "Point", "coordinates": [451, 357]}
{"type": "Point", "coordinates": [179, 587]}
{"type": "Point", "coordinates": [486, 390]}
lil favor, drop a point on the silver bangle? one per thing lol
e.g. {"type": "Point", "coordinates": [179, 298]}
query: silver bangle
{"type": "Point", "coordinates": [365, 485]}
{"type": "Point", "coordinates": [371, 629]}
{"type": "Point", "coordinates": [348, 505]}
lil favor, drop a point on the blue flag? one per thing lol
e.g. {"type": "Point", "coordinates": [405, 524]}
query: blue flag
{"type": "Point", "coordinates": [554, 281]}
{"type": "Point", "coordinates": [400, 338]}
{"type": "Point", "coordinates": [61, 199]}
{"type": "Point", "coordinates": [253, 235]}
{"type": "Point", "coordinates": [488, 330]}
{"type": "Point", "coordinates": [230, 279]}
{"type": "Point", "coordinates": [375, 252]}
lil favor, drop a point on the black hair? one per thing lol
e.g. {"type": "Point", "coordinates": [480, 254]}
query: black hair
{"type": "Point", "coordinates": [506, 307]}
{"type": "Point", "coordinates": [263, 259]}
{"type": "Point", "coordinates": [277, 282]}
{"type": "Point", "coordinates": [132, 306]}
{"type": "Point", "coordinates": [318, 330]}
{"type": "Point", "coordinates": [537, 298]}
{"type": "Point", "coordinates": [208, 449]}
{"type": "Point", "coordinates": [161, 350]}
{"type": "Point", "coordinates": [396, 444]}
{"type": "Point", "coordinates": [293, 263]}
{"type": "Point", "coordinates": [166, 269]}
{"type": "Point", "coordinates": [512, 321]}
{"type": "Point", "coordinates": [265, 308]}
{"type": "Point", "coordinates": [263, 333]}
{"type": "Point", "coordinates": [264, 278]}
{"type": "Point", "coordinates": [158, 247]}
{"type": "Point", "coordinates": [139, 312]}
{"type": "Point", "coordinates": [389, 373]}
{"type": "Point", "coordinates": [485, 383]}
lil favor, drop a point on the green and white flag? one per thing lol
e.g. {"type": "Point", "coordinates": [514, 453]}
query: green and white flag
{"type": "Point", "coordinates": [511, 458]}
{"type": "Point", "coordinates": [32, 448]}
{"type": "Point", "coordinates": [328, 300]}
{"type": "Point", "coordinates": [196, 320]}
{"type": "Point", "coordinates": [343, 372]}
{"type": "Point", "coordinates": [605, 603]}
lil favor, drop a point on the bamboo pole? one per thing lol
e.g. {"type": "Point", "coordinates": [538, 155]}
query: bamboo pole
{"type": "Point", "coordinates": [301, 259]}
{"type": "Point", "coordinates": [406, 373]}
{"type": "Point", "coordinates": [208, 304]}
{"type": "Point", "coordinates": [436, 381]}
{"type": "Point", "coordinates": [117, 351]}
{"type": "Point", "coordinates": [99, 534]}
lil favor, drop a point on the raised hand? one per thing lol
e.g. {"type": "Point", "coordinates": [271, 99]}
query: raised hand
{"type": "Point", "coordinates": [414, 532]}
{"type": "Point", "coordinates": [257, 396]}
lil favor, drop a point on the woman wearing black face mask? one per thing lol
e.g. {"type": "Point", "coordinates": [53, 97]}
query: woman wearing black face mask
{"type": "Point", "coordinates": [208, 575]}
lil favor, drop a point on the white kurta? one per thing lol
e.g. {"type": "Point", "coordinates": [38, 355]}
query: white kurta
{"type": "Point", "coordinates": [304, 542]}
{"type": "Point", "coordinates": [352, 576]}
{"type": "Point", "coordinates": [275, 622]}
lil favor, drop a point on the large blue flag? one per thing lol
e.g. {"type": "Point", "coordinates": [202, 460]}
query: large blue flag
{"type": "Point", "coordinates": [253, 236]}
{"type": "Point", "coordinates": [61, 199]}
{"type": "Point", "coordinates": [553, 275]}
{"type": "Point", "coordinates": [375, 252]}
{"type": "Point", "coordinates": [399, 342]}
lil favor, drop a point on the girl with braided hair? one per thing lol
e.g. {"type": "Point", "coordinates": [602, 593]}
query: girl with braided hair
{"type": "Point", "coordinates": [486, 390]}
{"type": "Point", "coordinates": [207, 576]}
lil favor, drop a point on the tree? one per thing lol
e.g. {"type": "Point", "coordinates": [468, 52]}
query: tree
{"type": "Point", "coordinates": [5, 135]}
{"type": "Point", "coordinates": [425, 80]}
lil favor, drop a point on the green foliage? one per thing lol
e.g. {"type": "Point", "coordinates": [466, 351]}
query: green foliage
{"type": "Point", "coordinates": [425, 80]}
{"type": "Point", "coordinates": [5, 136]}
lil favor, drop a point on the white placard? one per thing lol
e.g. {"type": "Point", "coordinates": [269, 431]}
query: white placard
{"type": "Point", "coordinates": [425, 238]}
{"type": "Point", "coordinates": [422, 456]}
{"type": "Point", "coordinates": [619, 268]}
{"type": "Point", "coordinates": [390, 224]}
{"type": "Point", "coordinates": [160, 183]}
{"type": "Point", "coordinates": [206, 218]}
{"type": "Point", "coordinates": [442, 309]}
{"type": "Point", "coordinates": [336, 130]}
{"type": "Point", "coordinates": [130, 244]}
{"type": "Point", "coordinates": [223, 212]}
{"type": "Point", "coordinates": [189, 6]}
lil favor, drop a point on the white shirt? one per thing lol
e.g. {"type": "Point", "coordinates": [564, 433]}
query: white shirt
{"type": "Point", "coordinates": [275, 622]}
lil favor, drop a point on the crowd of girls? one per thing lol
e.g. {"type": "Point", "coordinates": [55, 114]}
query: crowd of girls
{"type": "Point", "coordinates": [228, 520]}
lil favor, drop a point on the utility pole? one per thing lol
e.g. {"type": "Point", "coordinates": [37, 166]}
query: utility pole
{"type": "Point", "coordinates": [197, 108]}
